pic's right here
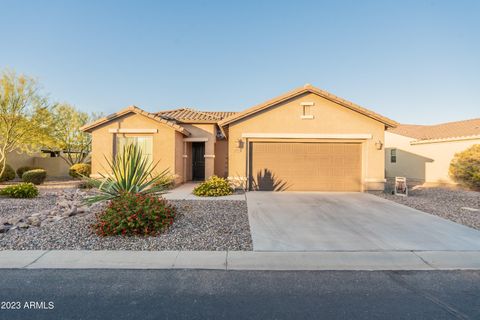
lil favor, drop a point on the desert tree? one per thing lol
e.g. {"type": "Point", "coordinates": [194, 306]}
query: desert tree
{"type": "Point", "coordinates": [74, 145]}
{"type": "Point", "coordinates": [22, 116]}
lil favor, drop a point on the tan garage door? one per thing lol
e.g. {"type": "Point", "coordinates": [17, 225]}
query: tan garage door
{"type": "Point", "coordinates": [305, 166]}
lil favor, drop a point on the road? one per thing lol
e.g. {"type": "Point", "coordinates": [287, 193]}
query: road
{"type": "Point", "coordinates": [202, 294]}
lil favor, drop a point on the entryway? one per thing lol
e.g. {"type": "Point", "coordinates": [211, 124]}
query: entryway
{"type": "Point", "coordinates": [198, 161]}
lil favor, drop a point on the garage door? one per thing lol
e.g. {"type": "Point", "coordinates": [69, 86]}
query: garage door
{"type": "Point", "coordinates": [296, 166]}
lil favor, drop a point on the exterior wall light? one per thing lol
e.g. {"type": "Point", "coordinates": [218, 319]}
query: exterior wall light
{"type": "Point", "coordinates": [240, 144]}
{"type": "Point", "coordinates": [379, 145]}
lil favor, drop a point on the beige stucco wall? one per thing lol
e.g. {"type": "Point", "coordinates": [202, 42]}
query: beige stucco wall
{"type": "Point", "coordinates": [56, 167]}
{"type": "Point", "coordinates": [422, 162]}
{"type": "Point", "coordinates": [19, 159]}
{"type": "Point", "coordinates": [221, 158]}
{"type": "Point", "coordinates": [165, 143]}
{"type": "Point", "coordinates": [329, 118]}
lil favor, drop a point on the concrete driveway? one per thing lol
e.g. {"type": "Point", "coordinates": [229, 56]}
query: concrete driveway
{"type": "Point", "coordinates": [308, 221]}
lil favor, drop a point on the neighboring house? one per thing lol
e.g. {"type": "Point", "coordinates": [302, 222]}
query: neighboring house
{"type": "Point", "coordinates": [306, 139]}
{"type": "Point", "coordinates": [55, 166]}
{"type": "Point", "coordinates": [423, 153]}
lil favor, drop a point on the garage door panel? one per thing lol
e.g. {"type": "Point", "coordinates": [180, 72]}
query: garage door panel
{"type": "Point", "coordinates": [300, 166]}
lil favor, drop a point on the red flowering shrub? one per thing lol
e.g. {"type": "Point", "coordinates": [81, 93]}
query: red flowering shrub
{"type": "Point", "coordinates": [135, 214]}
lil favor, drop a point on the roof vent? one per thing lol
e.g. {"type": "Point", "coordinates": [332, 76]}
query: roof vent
{"type": "Point", "coordinates": [307, 85]}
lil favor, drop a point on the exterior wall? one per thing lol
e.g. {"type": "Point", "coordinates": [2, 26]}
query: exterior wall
{"type": "Point", "coordinates": [56, 167]}
{"type": "Point", "coordinates": [221, 158]}
{"type": "Point", "coordinates": [179, 165]}
{"type": "Point", "coordinates": [205, 131]}
{"type": "Point", "coordinates": [165, 142]}
{"type": "Point", "coordinates": [422, 162]}
{"type": "Point", "coordinates": [17, 159]}
{"type": "Point", "coordinates": [329, 118]}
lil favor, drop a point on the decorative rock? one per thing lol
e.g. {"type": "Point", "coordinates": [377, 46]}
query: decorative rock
{"type": "Point", "coordinates": [23, 225]}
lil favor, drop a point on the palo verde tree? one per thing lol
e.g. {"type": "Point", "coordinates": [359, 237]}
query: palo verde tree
{"type": "Point", "coordinates": [22, 114]}
{"type": "Point", "coordinates": [65, 123]}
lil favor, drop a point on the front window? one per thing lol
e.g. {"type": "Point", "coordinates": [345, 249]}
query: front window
{"type": "Point", "coordinates": [145, 143]}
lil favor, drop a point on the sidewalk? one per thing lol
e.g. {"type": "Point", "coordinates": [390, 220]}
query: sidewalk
{"type": "Point", "coordinates": [185, 192]}
{"type": "Point", "coordinates": [241, 260]}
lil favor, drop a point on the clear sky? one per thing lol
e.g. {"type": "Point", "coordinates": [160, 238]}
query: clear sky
{"type": "Point", "coordinates": [414, 61]}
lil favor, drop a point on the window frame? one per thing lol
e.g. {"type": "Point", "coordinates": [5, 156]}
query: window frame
{"type": "Point", "coordinates": [393, 155]}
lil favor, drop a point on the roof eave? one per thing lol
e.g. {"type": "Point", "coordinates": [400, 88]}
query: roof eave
{"type": "Point", "coordinates": [134, 109]}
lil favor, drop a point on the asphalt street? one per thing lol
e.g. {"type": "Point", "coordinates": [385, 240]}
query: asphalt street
{"type": "Point", "coordinates": [202, 294]}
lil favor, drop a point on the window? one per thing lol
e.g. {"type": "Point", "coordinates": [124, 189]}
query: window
{"type": "Point", "coordinates": [145, 143]}
{"type": "Point", "coordinates": [393, 156]}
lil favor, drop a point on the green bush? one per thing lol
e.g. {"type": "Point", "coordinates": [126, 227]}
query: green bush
{"type": "Point", "coordinates": [465, 167]}
{"type": "Point", "coordinates": [213, 187]}
{"type": "Point", "coordinates": [135, 214]}
{"type": "Point", "coordinates": [8, 174]}
{"type": "Point", "coordinates": [22, 190]}
{"type": "Point", "coordinates": [22, 170]}
{"type": "Point", "coordinates": [35, 176]}
{"type": "Point", "coordinates": [80, 170]}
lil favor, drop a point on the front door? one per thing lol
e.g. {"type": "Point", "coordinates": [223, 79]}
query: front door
{"type": "Point", "coordinates": [198, 161]}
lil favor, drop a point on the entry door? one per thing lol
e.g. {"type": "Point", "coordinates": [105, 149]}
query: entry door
{"type": "Point", "coordinates": [198, 161]}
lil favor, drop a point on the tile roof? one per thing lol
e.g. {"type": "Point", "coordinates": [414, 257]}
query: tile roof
{"type": "Point", "coordinates": [134, 109]}
{"type": "Point", "coordinates": [457, 129]}
{"type": "Point", "coordinates": [192, 115]}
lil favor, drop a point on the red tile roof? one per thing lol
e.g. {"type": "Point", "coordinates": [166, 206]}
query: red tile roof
{"type": "Point", "coordinates": [447, 130]}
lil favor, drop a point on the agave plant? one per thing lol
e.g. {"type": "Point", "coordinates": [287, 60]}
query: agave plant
{"type": "Point", "coordinates": [130, 172]}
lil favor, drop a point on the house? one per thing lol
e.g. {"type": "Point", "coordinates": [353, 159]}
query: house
{"type": "Point", "coordinates": [423, 153]}
{"type": "Point", "coordinates": [306, 139]}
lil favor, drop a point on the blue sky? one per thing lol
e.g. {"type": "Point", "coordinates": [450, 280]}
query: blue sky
{"type": "Point", "coordinates": [413, 61]}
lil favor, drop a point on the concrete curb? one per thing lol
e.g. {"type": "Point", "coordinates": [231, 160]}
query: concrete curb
{"type": "Point", "coordinates": [241, 260]}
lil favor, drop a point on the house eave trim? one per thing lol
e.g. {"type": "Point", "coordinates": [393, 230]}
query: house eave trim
{"type": "Point", "coordinates": [133, 130]}
{"type": "Point", "coordinates": [195, 139]}
{"type": "Point", "coordinates": [363, 136]}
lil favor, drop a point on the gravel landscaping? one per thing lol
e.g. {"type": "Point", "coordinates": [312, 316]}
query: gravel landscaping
{"type": "Point", "coordinates": [200, 225]}
{"type": "Point", "coordinates": [448, 203]}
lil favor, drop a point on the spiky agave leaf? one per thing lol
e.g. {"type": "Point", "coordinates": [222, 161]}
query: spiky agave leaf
{"type": "Point", "coordinates": [130, 172]}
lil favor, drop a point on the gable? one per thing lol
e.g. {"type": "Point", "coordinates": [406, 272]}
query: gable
{"type": "Point", "coordinates": [325, 117]}
{"type": "Point", "coordinates": [135, 111]}
{"type": "Point", "coordinates": [298, 93]}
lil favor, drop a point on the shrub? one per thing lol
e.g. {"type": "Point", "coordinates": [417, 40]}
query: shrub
{"type": "Point", "coordinates": [213, 187]}
{"type": "Point", "coordinates": [22, 190]}
{"type": "Point", "coordinates": [8, 174]}
{"type": "Point", "coordinates": [80, 170]}
{"type": "Point", "coordinates": [131, 172]}
{"type": "Point", "coordinates": [465, 167]}
{"type": "Point", "coordinates": [35, 176]}
{"type": "Point", "coordinates": [135, 214]}
{"type": "Point", "coordinates": [22, 170]}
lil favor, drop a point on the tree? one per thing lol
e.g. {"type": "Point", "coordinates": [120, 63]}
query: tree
{"type": "Point", "coordinates": [22, 115]}
{"type": "Point", "coordinates": [74, 144]}
{"type": "Point", "coordinates": [465, 167]}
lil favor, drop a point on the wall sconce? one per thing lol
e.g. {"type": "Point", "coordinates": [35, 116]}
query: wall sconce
{"type": "Point", "coordinates": [379, 145]}
{"type": "Point", "coordinates": [240, 144]}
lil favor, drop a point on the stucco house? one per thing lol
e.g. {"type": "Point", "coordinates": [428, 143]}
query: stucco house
{"type": "Point", "coordinates": [423, 153]}
{"type": "Point", "coordinates": [306, 139]}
